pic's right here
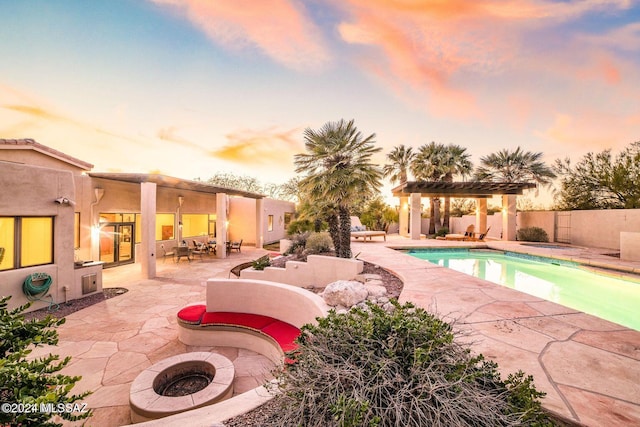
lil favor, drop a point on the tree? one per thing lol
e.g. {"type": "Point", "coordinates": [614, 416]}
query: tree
{"type": "Point", "coordinates": [514, 166]}
{"type": "Point", "coordinates": [599, 181]}
{"type": "Point", "coordinates": [439, 162]}
{"type": "Point", "coordinates": [32, 383]}
{"type": "Point", "coordinates": [338, 169]}
{"type": "Point", "coordinates": [400, 159]}
{"type": "Point", "coordinates": [377, 215]}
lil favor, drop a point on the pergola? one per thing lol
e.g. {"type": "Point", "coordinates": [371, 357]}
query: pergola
{"type": "Point", "coordinates": [411, 192]}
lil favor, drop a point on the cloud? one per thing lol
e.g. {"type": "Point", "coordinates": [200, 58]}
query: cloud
{"type": "Point", "coordinates": [265, 147]}
{"type": "Point", "coordinates": [281, 29]}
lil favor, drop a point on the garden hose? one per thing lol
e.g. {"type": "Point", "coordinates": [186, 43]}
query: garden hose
{"type": "Point", "coordinates": [37, 285]}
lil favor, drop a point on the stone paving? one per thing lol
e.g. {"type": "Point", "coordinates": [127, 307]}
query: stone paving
{"type": "Point", "coordinates": [113, 341]}
{"type": "Point", "coordinates": [589, 368]}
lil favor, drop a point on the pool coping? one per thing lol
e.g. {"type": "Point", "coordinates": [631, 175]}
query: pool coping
{"type": "Point", "coordinates": [589, 367]}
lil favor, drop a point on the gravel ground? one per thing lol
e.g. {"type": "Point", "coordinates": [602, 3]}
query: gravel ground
{"type": "Point", "coordinates": [64, 309]}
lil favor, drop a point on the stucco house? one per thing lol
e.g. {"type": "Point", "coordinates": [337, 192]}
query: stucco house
{"type": "Point", "coordinates": [59, 218]}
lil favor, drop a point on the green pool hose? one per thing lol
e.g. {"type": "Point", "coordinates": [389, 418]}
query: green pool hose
{"type": "Point", "coordinates": [37, 285]}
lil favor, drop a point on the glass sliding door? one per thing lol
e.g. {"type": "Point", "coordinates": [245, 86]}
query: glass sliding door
{"type": "Point", "coordinates": [117, 243]}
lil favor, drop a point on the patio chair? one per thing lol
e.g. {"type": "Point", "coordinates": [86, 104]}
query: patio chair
{"type": "Point", "coordinates": [358, 230]}
{"type": "Point", "coordinates": [199, 249]}
{"type": "Point", "coordinates": [165, 253]}
{"type": "Point", "coordinates": [235, 246]}
{"type": "Point", "coordinates": [468, 234]}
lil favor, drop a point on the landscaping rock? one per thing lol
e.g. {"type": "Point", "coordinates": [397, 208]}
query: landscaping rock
{"type": "Point", "coordinates": [376, 291]}
{"type": "Point", "coordinates": [366, 277]}
{"type": "Point", "coordinates": [345, 292]}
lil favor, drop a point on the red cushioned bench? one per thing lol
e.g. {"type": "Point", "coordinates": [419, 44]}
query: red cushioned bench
{"type": "Point", "coordinates": [283, 333]}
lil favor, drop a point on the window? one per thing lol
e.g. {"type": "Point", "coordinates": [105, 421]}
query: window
{"type": "Point", "coordinates": [26, 241]}
{"type": "Point", "coordinates": [195, 225]}
{"type": "Point", "coordinates": [270, 223]}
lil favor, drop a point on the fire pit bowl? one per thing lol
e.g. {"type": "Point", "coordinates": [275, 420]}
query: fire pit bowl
{"type": "Point", "coordinates": [180, 383]}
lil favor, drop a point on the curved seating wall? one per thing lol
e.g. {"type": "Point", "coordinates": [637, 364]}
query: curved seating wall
{"type": "Point", "coordinates": [282, 307]}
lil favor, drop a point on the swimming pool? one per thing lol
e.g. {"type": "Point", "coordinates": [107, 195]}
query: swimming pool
{"type": "Point", "coordinates": [562, 282]}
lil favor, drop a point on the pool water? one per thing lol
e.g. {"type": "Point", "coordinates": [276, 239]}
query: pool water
{"type": "Point", "coordinates": [562, 282]}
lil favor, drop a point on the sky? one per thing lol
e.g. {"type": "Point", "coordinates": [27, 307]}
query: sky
{"type": "Point", "coordinates": [191, 88]}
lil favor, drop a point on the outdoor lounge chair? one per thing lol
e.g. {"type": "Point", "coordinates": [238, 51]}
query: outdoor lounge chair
{"type": "Point", "coordinates": [480, 237]}
{"type": "Point", "coordinates": [468, 234]}
{"type": "Point", "coordinates": [358, 230]}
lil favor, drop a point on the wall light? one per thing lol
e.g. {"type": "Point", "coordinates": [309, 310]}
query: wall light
{"type": "Point", "coordinates": [65, 201]}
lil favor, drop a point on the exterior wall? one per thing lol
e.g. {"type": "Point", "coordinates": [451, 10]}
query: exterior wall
{"type": "Point", "coordinates": [242, 219]}
{"type": "Point", "coordinates": [601, 228]}
{"type": "Point", "coordinates": [590, 228]}
{"type": "Point", "coordinates": [317, 272]}
{"type": "Point", "coordinates": [31, 190]}
{"type": "Point", "coordinates": [28, 156]}
{"type": "Point", "coordinates": [459, 225]}
{"type": "Point", "coordinates": [543, 219]}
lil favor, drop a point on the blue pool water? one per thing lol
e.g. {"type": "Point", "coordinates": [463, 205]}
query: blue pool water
{"type": "Point", "coordinates": [562, 282]}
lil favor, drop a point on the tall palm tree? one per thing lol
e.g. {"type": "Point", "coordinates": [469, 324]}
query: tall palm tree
{"type": "Point", "coordinates": [426, 166]}
{"type": "Point", "coordinates": [514, 166]}
{"type": "Point", "coordinates": [338, 168]}
{"type": "Point", "coordinates": [400, 159]}
{"type": "Point", "coordinates": [455, 161]}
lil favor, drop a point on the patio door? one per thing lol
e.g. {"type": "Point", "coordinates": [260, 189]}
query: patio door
{"type": "Point", "coordinates": [116, 244]}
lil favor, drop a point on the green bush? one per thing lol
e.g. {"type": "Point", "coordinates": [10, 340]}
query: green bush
{"type": "Point", "coordinates": [298, 243]}
{"type": "Point", "coordinates": [318, 243]}
{"type": "Point", "coordinates": [532, 234]}
{"type": "Point", "coordinates": [299, 226]}
{"type": "Point", "coordinates": [34, 382]}
{"type": "Point", "coordinates": [261, 263]}
{"type": "Point", "coordinates": [369, 367]}
{"type": "Point", "coordinates": [442, 232]}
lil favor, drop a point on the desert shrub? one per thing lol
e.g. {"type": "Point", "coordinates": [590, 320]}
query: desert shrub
{"type": "Point", "coordinates": [298, 243]}
{"type": "Point", "coordinates": [442, 232]}
{"type": "Point", "coordinates": [532, 234]}
{"type": "Point", "coordinates": [299, 226]}
{"type": "Point", "coordinates": [318, 243]}
{"type": "Point", "coordinates": [368, 367]}
{"type": "Point", "coordinates": [35, 382]}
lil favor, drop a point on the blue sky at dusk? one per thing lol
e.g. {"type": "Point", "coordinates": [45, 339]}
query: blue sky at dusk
{"type": "Point", "coordinates": [189, 88]}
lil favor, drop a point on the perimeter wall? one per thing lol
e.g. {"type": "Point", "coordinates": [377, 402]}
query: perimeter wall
{"type": "Point", "coordinates": [591, 228]}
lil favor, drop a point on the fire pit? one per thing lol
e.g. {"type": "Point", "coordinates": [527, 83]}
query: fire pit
{"type": "Point", "coordinates": [180, 383]}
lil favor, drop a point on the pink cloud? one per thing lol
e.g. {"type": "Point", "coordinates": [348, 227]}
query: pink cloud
{"type": "Point", "coordinates": [260, 147]}
{"type": "Point", "coordinates": [281, 29]}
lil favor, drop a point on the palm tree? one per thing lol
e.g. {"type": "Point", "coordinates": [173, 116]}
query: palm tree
{"type": "Point", "coordinates": [455, 161]}
{"type": "Point", "coordinates": [338, 168]}
{"type": "Point", "coordinates": [514, 166]}
{"type": "Point", "coordinates": [400, 159]}
{"type": "Point", "coordinates": [426, 167]}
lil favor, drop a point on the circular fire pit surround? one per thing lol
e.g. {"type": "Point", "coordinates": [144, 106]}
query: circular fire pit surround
{"type": "Point", "coordinates": [159, 390]}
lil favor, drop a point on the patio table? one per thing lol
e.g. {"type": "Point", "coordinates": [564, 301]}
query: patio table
{"type": "Point", "coordinates": [182, 251]}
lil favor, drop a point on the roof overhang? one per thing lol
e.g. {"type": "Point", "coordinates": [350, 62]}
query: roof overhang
{"type": "Point", "coordinates": [30, 144]}
{"type": "Point", "coordinates": [172, 182]}
{"type": "Point", "coordinates": [473, 189]}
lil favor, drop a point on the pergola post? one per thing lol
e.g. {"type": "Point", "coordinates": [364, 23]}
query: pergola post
{"type": "Point", "coordinates": [481, 215]}
{"type": "Point", "coordinates": [416, 217]}
{"type": "Point", "coordinates": [509, 217]}
{"type": "Point", "coordinates": [221, 225]}
{"type": "Point", "coordinates": [403, 220]}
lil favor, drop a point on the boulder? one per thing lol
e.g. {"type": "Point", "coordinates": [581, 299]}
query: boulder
{"type": "Point", "coordinates": [376, 291]}
{"type": "Point", "coordinates": [346, 293]}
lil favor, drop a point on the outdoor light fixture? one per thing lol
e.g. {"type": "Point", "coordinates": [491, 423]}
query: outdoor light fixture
{"type": "Point", "coordinates": [180, 225]}
{"type": "Point", "coordinates": [65, 201]}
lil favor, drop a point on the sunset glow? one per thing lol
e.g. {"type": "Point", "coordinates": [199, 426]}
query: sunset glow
{"type": "Point", "coordinates": [194, 87]}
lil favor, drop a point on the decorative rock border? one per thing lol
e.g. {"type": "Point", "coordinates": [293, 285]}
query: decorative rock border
{"type": "Point", "coordinates": [146, 404]}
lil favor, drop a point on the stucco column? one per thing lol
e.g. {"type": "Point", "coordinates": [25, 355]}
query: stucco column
{"type": "Point", "coordinates": [509, 217]}
{"type": "Point", "coordinates": [416, 217]}
{"type": "Point", "coordinates": [259, 223]}
{"type": "Point", "coordinates": [147, 255]}
{"type": "Point", "coordinates": [481, 215]}
{"type": "Point", "coordinates": [221, 225]}
{"type": "Point", "coordinates": [403, 220]}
